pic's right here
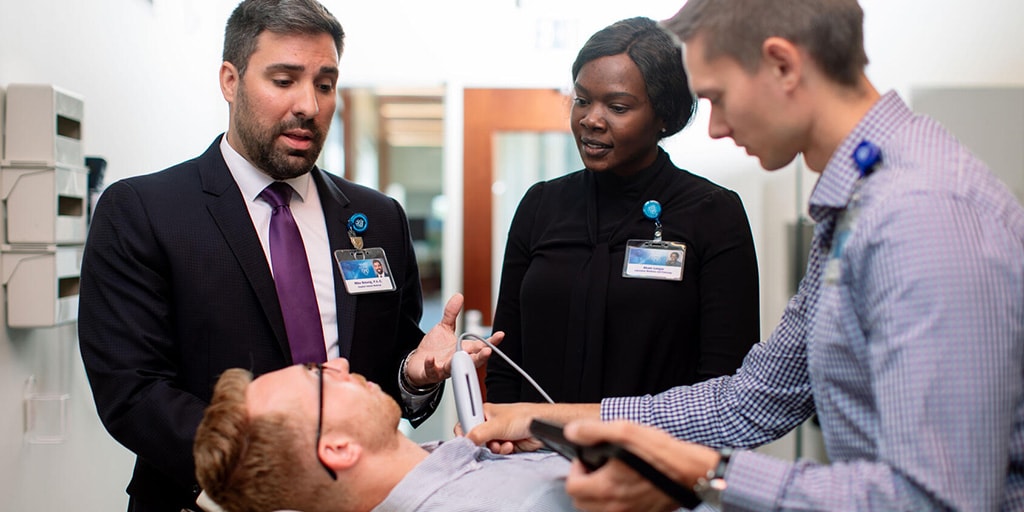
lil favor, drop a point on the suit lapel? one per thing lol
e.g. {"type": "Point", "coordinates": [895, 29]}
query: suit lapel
{"type": "Point", "coordinates": [227, 207]}
{"type": "Point", "coordinates": [336, 212]}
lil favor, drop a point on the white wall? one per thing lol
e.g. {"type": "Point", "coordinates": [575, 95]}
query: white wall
{"type": "Point", "coordinates": [148, 73]}
{"type": "Point", "coordinates": [138, 67]}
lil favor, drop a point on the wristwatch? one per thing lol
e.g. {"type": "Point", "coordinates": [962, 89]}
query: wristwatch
{"type": "Point", "coordinates": [709, 488]}
{"type": "Point", "coordinates": [408, 387]}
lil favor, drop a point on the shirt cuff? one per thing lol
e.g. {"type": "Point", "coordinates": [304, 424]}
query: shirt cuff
{"type": "Point", "coordinates": [416, 401]}
{"type": "Point", "coordinates": [754, 481]}
{"type": "Point", "coordinates": [632, 408]}
{"type": "Point", "coordinates": [414, 398]}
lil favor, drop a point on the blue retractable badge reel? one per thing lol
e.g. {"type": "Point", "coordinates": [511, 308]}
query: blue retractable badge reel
{"type": "Point", "coordinates": [652, 210]}
{"type": "Point", "coordinates": [866, 156]}
{"type": "Point", "coordinates": [357, 225]}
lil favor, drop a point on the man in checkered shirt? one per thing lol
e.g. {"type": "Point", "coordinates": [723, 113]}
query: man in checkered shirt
{"type": "Point", "coordinates": [906, 336]}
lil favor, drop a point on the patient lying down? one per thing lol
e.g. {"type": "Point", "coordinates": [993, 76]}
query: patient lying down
{"type": "Point", "coordinates": [315, 438]}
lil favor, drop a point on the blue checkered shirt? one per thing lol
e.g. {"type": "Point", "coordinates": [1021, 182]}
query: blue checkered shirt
{"type": "Point", "coordinates": [911, 354]}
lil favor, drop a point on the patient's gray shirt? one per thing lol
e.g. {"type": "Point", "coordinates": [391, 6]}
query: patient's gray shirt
{"type": "Point", "coordinates": [460, 476]}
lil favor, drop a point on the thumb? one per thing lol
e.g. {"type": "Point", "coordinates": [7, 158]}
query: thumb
{"type": "Point", "coordinates": [451, 311]}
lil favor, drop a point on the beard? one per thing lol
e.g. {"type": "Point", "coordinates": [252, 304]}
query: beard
{"type": "Point", "coordinates": [374, 427]}
{"type": "Point", "coordinates": [259, 142]}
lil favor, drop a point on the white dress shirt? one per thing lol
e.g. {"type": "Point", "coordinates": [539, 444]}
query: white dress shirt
{"type": "Point", "coordinates": [305, 206]}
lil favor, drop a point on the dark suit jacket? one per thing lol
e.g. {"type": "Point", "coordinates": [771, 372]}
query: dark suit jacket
{"type": "Point", "coordinates": [175, 288]}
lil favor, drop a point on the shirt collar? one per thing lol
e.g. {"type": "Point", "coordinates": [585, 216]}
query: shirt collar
{"type": "Point", "coordinates": [835, 186]}
{"type": "Point", "coordinates": [251, 180]}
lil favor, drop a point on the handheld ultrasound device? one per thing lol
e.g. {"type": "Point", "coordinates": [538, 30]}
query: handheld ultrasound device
{"type": "Point", "coordinates": [469, 403]}
{"type": "Point", "coordinates": [466, 387]}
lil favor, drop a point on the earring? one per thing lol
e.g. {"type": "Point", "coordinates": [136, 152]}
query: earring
{"type": "Point", "coordinates": [663, 130]}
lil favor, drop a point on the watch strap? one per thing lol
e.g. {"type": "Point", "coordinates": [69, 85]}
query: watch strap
{"type": "Point", "coordinates": [723, 463]}
{"type": "Point", "coordinates": [709, 488]}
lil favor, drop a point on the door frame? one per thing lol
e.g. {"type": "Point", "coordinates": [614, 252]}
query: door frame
{"type": "Point", "coordinates": [487, 112]}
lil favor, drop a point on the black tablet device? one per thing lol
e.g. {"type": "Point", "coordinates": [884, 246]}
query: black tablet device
{"type": "Point", "coordinates": [595, 456]}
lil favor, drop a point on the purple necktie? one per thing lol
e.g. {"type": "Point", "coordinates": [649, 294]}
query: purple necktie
{"type": "Point", "coordinates": [293, 280]}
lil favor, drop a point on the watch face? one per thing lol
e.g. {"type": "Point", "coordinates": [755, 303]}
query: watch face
{"type": "Point", "coordinates": [710, 488]}
{"type": "Point", "coordinates": [710, 491]}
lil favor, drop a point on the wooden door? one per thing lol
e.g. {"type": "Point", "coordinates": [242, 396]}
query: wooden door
{"type": "Point", "coordinates": [488, 112]}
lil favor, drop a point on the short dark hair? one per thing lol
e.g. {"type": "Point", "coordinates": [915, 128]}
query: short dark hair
{"type": "Point", "coordinates": [251, 17]}
{"type": "Point", "coordinates": [832, 31]}
{"type": "Point", "coordinates": [660, 61]}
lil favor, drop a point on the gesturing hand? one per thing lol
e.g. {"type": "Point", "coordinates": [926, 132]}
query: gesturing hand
{"type": "Point", "coordinates": [431, 362]}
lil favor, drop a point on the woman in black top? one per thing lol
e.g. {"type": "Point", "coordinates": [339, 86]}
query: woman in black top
{"type": "Point", "coordinates": [570, 317]}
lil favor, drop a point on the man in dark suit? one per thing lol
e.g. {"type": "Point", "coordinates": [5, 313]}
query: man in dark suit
{"type": "Point", "coordinates": [177, 283]}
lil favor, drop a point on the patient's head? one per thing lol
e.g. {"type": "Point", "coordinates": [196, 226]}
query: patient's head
{"type": "Point", "coordinates": [256, 448]}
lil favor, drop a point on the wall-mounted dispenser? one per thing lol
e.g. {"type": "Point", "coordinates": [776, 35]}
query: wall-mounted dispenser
{"type": "Point", "coordinates": [42, 287]}
{"type": "Point", "coordinates": [45, 194]}
{"type": "Point", "coordinates": [43, 126]}
{"type": "Point", "coordinates": [45, 205]}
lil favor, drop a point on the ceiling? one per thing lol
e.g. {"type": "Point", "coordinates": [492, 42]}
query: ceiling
{"type": "Point", "coordinates": [411, 117]}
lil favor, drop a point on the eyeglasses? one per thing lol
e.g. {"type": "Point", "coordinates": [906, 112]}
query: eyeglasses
{"type": "Point", "coordinates": [319, 367]}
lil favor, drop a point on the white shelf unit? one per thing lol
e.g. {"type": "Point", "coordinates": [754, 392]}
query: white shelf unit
{"type": "Point", "coordinates": [42, 286]}
{"type": "Point", "coordinates": [43, 126]}
{"type": "Point", "coordinates": [44, 190]}
{"type": "Point", "coordinates": [45, 205]}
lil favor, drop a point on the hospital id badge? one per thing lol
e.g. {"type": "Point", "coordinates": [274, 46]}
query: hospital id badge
{"type": "Point", "coordinates": [844, 228]}
{"type": "Point", "coordinates": [365, 270]}
{"type": "Point", "coordinates": [653, 259]}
